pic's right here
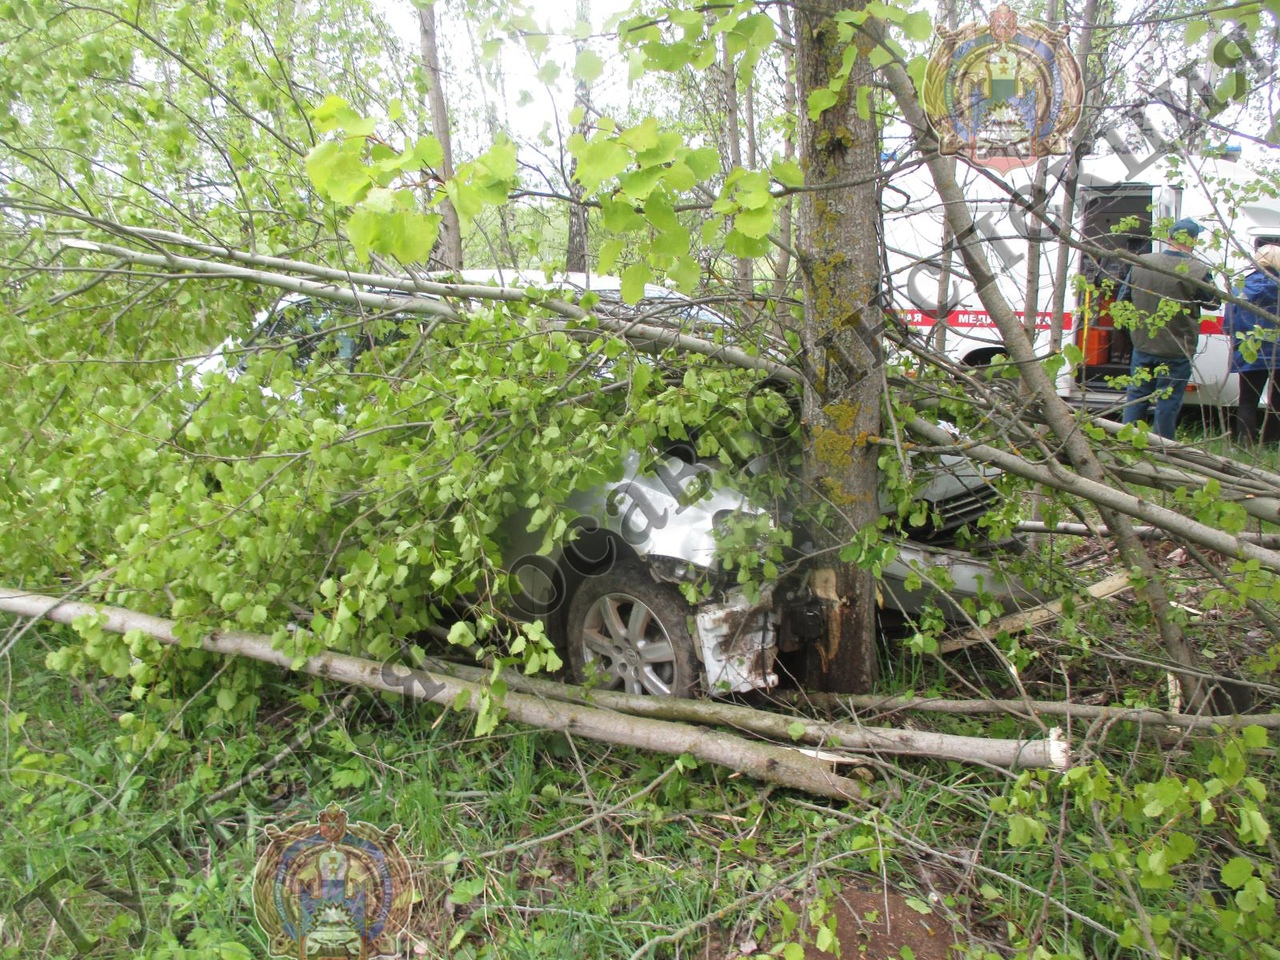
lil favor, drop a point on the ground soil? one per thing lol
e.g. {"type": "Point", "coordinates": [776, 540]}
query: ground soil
{"type": "Point", "coordinates": [875, 924]}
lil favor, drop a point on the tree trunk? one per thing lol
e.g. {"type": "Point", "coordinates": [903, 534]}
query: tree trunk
{"type": "Point", "coordinates": [782, 263]}
{"type": "Point", "coordinates": [448, 251]}
{"type": "Point", "coordinates": [1082, 134]}
{"type": "Point", "coordinates": [733, 134]}
{"type": "Point", "coordinates": [839, 263]}
{"type": "Point", "coordinates": [575, 258]}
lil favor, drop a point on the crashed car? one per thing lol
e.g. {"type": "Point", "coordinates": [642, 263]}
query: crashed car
{"type": "Point", "coordinates": [615, 593]}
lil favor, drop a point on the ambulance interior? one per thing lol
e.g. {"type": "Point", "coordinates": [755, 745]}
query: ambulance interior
{"type": "Point", "coordinates": [1104, 209]}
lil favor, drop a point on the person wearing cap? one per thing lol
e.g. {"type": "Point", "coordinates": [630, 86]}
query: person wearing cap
{"type": "Point", "coordinates": [1167, 289]}
{"type": "Point", "coordinates": [1254, 350]}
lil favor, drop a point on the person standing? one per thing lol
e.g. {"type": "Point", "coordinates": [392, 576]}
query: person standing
{"type": "Point", "coordinates": [1255, 330]}
{"type": "Point", "coordinates": [1167, 289]}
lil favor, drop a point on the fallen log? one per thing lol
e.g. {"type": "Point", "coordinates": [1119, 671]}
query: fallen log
{"type": "Point", "coordinates": [1029, 709]}
{"type": "Point", "coordinates": [772, 764]}
{"type": "Point", "coordinates": [1271, 540]}
{"type": "Point", "coordinates": [1052, 752]}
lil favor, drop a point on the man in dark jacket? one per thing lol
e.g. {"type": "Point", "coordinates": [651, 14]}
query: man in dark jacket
{"type": "Point", "coordinates": [1168, 289]}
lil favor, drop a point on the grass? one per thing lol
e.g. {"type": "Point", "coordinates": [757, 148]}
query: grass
{"type": "Point", "coordinates": [531, 844]}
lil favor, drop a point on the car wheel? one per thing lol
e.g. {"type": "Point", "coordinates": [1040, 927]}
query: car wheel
{"type": "Point", "coordinates": [627, 632]}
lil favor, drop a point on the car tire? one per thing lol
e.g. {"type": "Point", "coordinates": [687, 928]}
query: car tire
{"type": "Point", "coordinates": [626, 632]}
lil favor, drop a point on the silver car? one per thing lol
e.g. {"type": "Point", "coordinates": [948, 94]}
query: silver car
{"type": "Point", "coordinates": [633, 593]}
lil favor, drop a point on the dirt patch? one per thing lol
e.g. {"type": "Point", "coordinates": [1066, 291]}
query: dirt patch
{"type": "Point", "coordinates": [875, 924]}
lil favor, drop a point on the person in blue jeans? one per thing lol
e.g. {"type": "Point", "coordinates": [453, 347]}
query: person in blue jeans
{"type": "Point", "coordinates": [1255, 353]}
{"type": "Point", "coordinates": [1168, 290]}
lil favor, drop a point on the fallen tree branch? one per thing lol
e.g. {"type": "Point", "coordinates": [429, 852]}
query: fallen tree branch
{"type": "Point", "coordinates": [1059, 417]}
{"type": "Point", "coordinates": [1116, 501]}
{"type": "Point", "coordinates": [1033, 616]}
{"type": "Point", "coordinates": [772, 764]}
{"type": "Point", "coordinates": [1029, 709]}
{"type": "Point", "coordinates": [1269, 540]}
{"type": "Point", "coordinates": [425, 297]}
{"type": "Point", "coordinates": [1052, 752]}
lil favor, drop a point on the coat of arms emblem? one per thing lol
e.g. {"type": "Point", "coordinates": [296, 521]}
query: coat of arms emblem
{"type": "Point", "coordinates": [332, 889]}
{"type": "Point", "coordinates": [1005, 93]}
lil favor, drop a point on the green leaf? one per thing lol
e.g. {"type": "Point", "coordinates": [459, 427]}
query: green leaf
{"type": "Point", "coordinates": [598, 160]}
{"type": "Point", "coordinates": [918, 905]}
{"type": "Point", "coordinates": [796, 730]}
{"type": "Point", "coordinates": [686, 273]}
{"type": "Point", "coordinates": [824, 940]}
{"type": "Point", "coordinates": [461, 634]}
{"type": "Point", "coordinates": [754, 223]}
{"type": "Point", "coordinates": [738, 244]}
{"type": "Point", "coordinates": [704, 162]}
{"type": "Point", "coordinates": [634, 279]}
{"type": "Point", "coordinates": [638, 184]}
{"type": "Point", "coordinates": [336, 114]}
{"type": "Point", "coordinates": [407, 235]}
{"type": "Point", "coordinates": [820, 101]}
{"type": "Point", "coordinates": [610, 250]}
{"type": "Point", "coordinates": [1254, 736]}
{"type": "Point", "coordinates": [917, 67]}
{"type": "Point", "coordinates": [862, 99]}
{"type": "Point", "coordinates": [428, 151]}
{"type": "Point", "coordinates": [1195, 29]}
{"type": "Point", "coordinates": [588, 66]}
{"type": "Point", "coordinates": [918, 26]}
{"type": "Point", "coordinates": [787, 173]}
{"type": "Point", "coordinates": [1236, 872]}
{"type": "Point", "coordinates": [337, 172]}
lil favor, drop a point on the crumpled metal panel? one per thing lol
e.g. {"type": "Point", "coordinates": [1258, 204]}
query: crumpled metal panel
{"type": "Point", "coordinates": [739, 641]}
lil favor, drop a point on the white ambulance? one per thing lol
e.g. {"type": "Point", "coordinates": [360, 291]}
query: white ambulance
{"type": "Point", "coordinates": [1116, 205]}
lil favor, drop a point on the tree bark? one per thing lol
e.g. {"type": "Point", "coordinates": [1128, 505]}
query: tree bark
{"type": "Point", "coordinates": [1050, 752]}
{"type": "Point", "coordinates": [839, 261]}
{"type": "Point", "coordinates": [448, 249]}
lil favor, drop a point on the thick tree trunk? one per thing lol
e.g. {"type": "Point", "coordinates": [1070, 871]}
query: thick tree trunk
{"type": "Point", "coordinates": [840, 269]}
{"type": "Point", "coordinates": [448, 249]}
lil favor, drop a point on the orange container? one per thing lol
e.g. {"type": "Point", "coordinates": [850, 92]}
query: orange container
{"type": "Point", "coordinates": [1103, 319]}
{"type": "Point", "coordinates": [1097, 347]}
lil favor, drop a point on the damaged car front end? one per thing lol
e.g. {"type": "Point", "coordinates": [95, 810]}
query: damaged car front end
{"type": "Point", "coordinates": [638, 595]}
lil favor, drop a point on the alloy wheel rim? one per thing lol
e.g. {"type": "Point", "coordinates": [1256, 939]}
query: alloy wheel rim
{"type": "Point", "coordinates": [627, 643]}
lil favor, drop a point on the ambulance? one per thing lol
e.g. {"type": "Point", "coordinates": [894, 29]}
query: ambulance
{"type": "Point", "coordinates": [1118, 203]}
